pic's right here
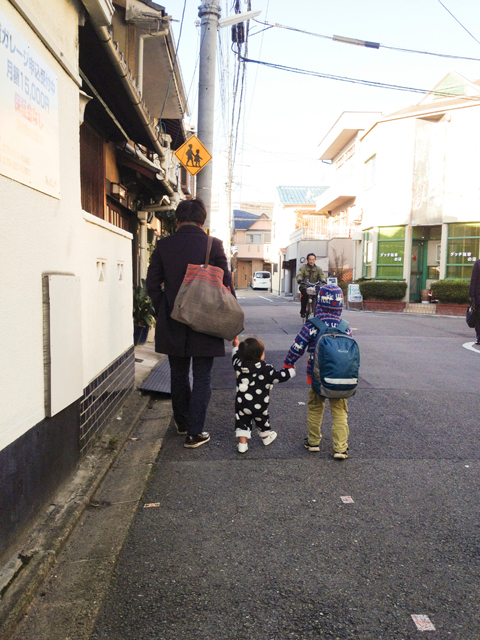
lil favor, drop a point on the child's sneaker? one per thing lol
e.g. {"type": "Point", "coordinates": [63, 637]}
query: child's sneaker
{"type": "Point", "coordinates": [311, 447]}
{"type": "Point", "coordinates": [270, 438]}
{"type": "Point", "coordinates": [242, 447]}
{"type": "Point", "coordinates": [341, 455]}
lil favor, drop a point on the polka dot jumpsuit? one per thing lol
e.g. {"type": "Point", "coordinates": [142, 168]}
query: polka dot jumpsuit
{"type": "Point", "coordinates": [254, 382]}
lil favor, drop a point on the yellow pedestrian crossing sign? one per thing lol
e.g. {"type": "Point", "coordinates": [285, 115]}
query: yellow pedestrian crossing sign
{"type": "Point", "coordinates": [193, 155]}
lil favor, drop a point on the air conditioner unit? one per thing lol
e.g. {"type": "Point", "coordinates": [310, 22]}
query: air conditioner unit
{"type": "Point", "coordinates": [438, 252]}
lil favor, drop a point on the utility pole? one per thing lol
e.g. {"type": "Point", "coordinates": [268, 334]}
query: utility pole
{"type": "Point", "coordinates": [209, 13]}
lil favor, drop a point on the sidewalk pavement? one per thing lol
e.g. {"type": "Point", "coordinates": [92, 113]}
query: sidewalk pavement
{"type": "Point", "coordinates": [63, 565]}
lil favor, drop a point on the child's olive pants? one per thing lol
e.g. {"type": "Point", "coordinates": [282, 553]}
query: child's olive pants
{"type": "Point", "coordinates": [339, 409]}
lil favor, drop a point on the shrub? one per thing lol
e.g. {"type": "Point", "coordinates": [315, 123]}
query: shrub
{"type": "Point", "coordinates": [344, 287]}
{"type": "Point", "coordinates": [383, 289]}
{"type": "Point", "coordinates": [451, 291]}
{"type": "Point", "coordinates": [143, 311]}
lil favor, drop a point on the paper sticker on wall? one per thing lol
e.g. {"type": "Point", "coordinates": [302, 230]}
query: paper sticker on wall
{"type": "Point", "coordinates": [29, 134]}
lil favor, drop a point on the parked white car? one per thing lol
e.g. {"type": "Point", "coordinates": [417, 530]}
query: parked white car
{"type": "Point", "coordinates": [261, 280]}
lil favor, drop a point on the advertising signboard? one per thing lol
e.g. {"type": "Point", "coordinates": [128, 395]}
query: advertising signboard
{"type": "Point", "coordinates": [354, 294]}
{"type": "Point", "coordinates": [29, 145]}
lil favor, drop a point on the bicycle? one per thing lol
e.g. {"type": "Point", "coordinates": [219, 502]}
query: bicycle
{"type": "Point", "coordinates": [312, 293]}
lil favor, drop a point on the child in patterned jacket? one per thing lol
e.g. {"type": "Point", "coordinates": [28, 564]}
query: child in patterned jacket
{"type": "Point", "coordinates": [255, 379]}
{"type": "Point", "coordinates": [329, 309]}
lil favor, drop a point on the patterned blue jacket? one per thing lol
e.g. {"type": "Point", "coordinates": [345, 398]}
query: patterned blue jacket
{"type": "Point", "coordinates": [305, 340]}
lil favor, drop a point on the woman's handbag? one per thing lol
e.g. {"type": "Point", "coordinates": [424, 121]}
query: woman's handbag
{"type": "Point", "coordinates": [471, 316]}
{"type": "Point", "coordinates": [205, 304]}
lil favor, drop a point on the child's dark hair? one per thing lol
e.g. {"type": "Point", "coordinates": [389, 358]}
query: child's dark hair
{"type": "Point", "coordinates": [251, 349]}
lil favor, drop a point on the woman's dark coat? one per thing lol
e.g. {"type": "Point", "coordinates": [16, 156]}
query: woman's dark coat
{"type": "Point", "coordinates": [475, 283]}
{"type": "Point", "coordinates": [168, 266]}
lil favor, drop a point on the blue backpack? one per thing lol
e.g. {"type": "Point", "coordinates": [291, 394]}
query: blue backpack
{"type": "Point", "coordinates": [336, 361]}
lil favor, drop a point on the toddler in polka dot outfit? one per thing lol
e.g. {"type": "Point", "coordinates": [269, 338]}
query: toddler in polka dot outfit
{"type": "Point", "coordinates": [255, 379]}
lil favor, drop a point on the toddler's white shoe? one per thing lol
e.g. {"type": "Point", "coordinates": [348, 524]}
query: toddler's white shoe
{"type": "Point", "coordinates": [242, 447]}
{"type": "Point", "coordinates": [270, 438]}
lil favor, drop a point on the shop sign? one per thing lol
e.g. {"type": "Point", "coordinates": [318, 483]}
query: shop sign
{"type": "Point", "coordinates": [29, 144]}
{"type": "Point", "coordinates": [354, 294]}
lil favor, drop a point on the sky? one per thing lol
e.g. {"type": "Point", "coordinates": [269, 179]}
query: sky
{"type": "Point", "coordinates": [284, 115]}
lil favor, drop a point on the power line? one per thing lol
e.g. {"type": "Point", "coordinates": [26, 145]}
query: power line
{"type": "Point", "coordinates": [371, 45]}
{"type": "Point", "coordinates": [368, 83]}
{"type": "Point", "coordinates": [256, 73]}
{"type": "Point", "coordinates": [457, 20]}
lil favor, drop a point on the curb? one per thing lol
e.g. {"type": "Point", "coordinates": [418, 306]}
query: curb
{"type": "Point", "coordinates": [50, 533]}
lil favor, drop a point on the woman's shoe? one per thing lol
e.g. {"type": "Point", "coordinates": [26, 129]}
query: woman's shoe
{"type": "Point", "coordinates": [242, 447]}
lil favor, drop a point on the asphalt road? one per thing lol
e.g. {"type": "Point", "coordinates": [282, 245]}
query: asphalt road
{"type": "Point", "coordinates": [261, 546]}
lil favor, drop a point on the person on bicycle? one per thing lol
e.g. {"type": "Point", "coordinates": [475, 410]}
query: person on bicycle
{"type": "Point", "coordinates": [311, 273]}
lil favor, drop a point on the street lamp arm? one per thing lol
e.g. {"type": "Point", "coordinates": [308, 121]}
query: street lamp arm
{"type": "Point", "coordinates": [237, 17]}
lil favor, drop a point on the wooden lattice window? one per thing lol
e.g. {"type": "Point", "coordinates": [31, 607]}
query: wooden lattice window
{"type": "Point", "coordinates": [116, 216]}
{"type": "Point", "coordinates": [92, 171]}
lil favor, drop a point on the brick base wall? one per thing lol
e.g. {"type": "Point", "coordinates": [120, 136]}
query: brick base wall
{"type": "Point", "coordinates": [103, 396]}
{"type": "Point", "coordinates": [444, 309]}
{"type": "Point", "coordinates": [396, 306]}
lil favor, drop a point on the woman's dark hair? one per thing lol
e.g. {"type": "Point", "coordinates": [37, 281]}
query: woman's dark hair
{"type": "Point", "coordinates": [251, 349]}
{"type": "Point", "coordinates": [311, 254]}
{"type": "Point", "coordinates": [191, 211]}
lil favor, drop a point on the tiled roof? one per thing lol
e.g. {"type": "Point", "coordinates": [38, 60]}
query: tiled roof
{"type": "Point", "coordinates": [299, 195]}
{"type": "Point", "coordinates": [238, 214]}
{"type": "Point", "coordinates": [240, 225]}
{"type": "Point", "coordinates": [243, 219]}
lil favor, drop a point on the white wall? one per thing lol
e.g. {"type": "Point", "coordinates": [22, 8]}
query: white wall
{"type": "Point", "coordinates": [389, 201]}
{"type": "Point", "coordinates": [106, 306]}
{"type": "Point", "coordinates": [462, 167]}
{"type": "Point", "coordinates": [39, 234]}
{"type": "Point", "coordinates": [42, 234]}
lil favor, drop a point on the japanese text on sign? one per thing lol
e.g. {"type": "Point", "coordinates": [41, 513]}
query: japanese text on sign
{"type": "Point", "coordinates": [29, 146]}
{"type": "Point", "coordinates": [395, 256]}
{"type": "Point", "coordinates": [464, 254]}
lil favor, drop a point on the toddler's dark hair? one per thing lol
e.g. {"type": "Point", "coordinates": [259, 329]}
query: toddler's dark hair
{"type": "Point", "coordinates": [251, 349]}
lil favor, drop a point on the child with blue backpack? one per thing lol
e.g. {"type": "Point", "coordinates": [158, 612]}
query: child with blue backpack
{"type": "Point", "coordinates": [329, 311]}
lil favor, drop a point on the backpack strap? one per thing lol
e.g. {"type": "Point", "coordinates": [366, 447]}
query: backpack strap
{"type": "Point", "coordinates": [319, 324]}
{"type": "Point", "coordinates": [322, 327]}
{"type": "Point", "coordinates": [342, 326]}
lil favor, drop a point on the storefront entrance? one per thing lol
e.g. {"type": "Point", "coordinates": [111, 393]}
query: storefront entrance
{"type": "Point", "coordinates": [425, 260]}
{"type": "Point", "coordinates": [418, 273]}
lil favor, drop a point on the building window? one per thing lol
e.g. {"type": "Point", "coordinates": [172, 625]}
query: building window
{"type": "Point", "coordinates": [267, 237]}
{"type": "Point", "coordinates": [463, 249]}
{"type": "Point", "coordinates": [370, 172]}
{"type": "Point", "coordinates": [391, 253]}
{"type": "Point", "coordinates": [254, 238]}
{"type": "Point", "coordinates": [92, 171]}
{"type": "Point", "coordinates": [367, 253]}
{"type": "Point", "coordinates": [115, 216]}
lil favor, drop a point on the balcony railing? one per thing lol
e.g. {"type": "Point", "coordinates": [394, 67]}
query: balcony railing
{"type": "Point", "coordinates": [253, 251]}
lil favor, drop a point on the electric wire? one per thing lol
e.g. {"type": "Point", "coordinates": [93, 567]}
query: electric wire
{"type": "Point", "coordinates": [368, 83]}
{"type": "Point", "coordinates": [382, 46]}
{"type": "Point", "coordinates": [457, 20]}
